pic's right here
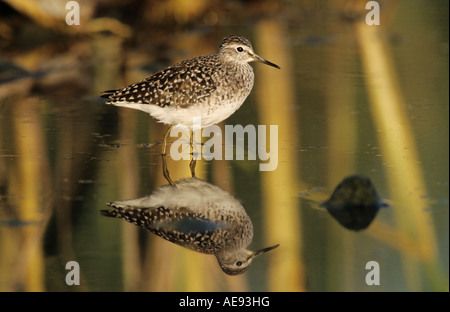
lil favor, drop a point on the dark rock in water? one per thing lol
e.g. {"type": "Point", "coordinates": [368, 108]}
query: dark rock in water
{"type": "Point", "coordinates": [354, 203]}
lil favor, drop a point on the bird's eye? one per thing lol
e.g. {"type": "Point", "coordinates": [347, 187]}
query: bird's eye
{"type": "Point", "coordinates": [239, 263]}
{"type": "Point", "coordinates": [240, 49]}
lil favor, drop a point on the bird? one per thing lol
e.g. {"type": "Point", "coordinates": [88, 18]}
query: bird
{"type": "Point", "coordinates": [197, 215]}
{"type": "Point", "coordinates": [354, 202]}
{"type": "Point", "coordinates": [209, 88]}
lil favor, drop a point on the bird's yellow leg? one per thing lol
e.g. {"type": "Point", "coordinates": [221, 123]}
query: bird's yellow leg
{"type": "Point", "coordinates": [165, 170]}
{"type": "Point", "coordinates": [194, 158]}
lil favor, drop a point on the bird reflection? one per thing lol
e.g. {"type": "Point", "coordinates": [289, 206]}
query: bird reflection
{"type": "Point", "coordinates": [197, 215]}
{"type": "Point", "coordinates": [354, 203]}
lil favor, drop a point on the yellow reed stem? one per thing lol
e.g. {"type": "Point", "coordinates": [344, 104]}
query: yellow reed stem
{"type": "Point", "coordinates": [223, 177]}
{"type": "Point", "coordinates": [399, 152]}
{"type": "Point", "coordinates": [129, 177]}
{"type": "Point", "coordinates": [189, 270]}
{"type": "Point", "coordinates": [274, 91]}
{"type": "Point", "coordinates": [29, 187]}
{"type": "Point", "coordinates": [193, 264]}
{"type": "Point", "coordinates": [340, 162]}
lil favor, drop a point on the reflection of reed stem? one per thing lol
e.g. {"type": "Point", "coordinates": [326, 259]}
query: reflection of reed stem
{"type": "Point", "coordinates": [129, 186]}
{"type": "Point", "coordinates": [282, 217]}
{"type": "Point", "coordinates": [196, 268]}
{"type": "Point", "coordinates": [342, 137]}
{"type": "Point", "coordinates": [399, 152]}
{"type": "Point", "coordinates": [171, 267]}
{"type": "Point", "coordinates": [30, 185]}
{"type": "Point", "coordinates": [222, 176]}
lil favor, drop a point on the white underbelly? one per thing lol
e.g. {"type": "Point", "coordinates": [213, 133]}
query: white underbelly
{"type": "Point", "coordinates": [209, 114]}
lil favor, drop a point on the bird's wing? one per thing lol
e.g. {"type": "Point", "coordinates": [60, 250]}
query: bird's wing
{"type": "Point", "coordinates": [164, 219]}
{"type": "Point", "coordinates": [180, 226]}
{"type": "Point", "coordinates": [179, 85]}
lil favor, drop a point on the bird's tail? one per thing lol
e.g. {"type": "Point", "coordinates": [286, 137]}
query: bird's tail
{"type": "Point", "coordinates": [116, 212]}
{"type": "Point", "coordinates": [132, 215]}
{"type": "Point", "coordinates": [107, 94]}
{"type": "Point", "coordinates": [110, 213]}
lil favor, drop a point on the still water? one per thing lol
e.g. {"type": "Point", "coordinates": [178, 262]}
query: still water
{"type": "Point", "coordinates": [350, 100]}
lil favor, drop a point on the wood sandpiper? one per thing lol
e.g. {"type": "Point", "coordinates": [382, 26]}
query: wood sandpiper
{"type": "Point", "coordinates": [196, 215]}
{"type": "Point", "coordinates": [209, 87]}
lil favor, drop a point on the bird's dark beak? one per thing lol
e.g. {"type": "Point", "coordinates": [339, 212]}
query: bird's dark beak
{"type": "Point", "coordinates": [264, 250]}
{"type": "Point", "coordinates": [264, 61]}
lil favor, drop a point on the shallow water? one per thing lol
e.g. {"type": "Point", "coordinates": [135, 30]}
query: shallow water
{"type": "Point", "coordinates": [64, 153]}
